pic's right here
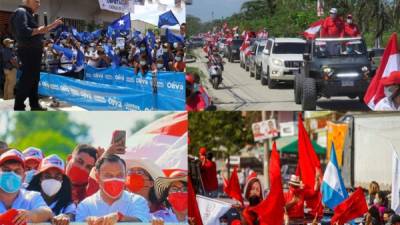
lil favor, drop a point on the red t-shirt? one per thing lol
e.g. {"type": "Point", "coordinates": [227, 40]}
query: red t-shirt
{"type": "Point", "coordinates": [208, 171]}
{"type": "Point", "coordinates": [332, 28]}
{"type": "Point", "coordinates": [297, 210]}
{"type": "Point", "coordinates": [351, 30]}
{"type": "Point", "coordinates": [195, 103]}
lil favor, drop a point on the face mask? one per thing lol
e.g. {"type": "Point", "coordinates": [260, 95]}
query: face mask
{"type": "Point", "coordinates": [175, 45]}
{"type": "Point", "coordinates": [11, 46]}
{"type": "Point", "coordinates": [10, 182]}
{"type": "Point", "coordinates": [160, 66]}
{"type": "Point", "coordinates": [254, 200]}
{"type": "Point", "coordinates": [135, 183]}
{"type": "Point", "coordinates": [113, 187]}
{"type": "Point", "coordinates": [196, 87]}
{"type": "Point", "coordinates": [51, 186]}
{"type": "Point", "coordinates": [349, 21]}
{"type": "Point", "coordinates": [142, 49]}
{"type": "Point", "coordinates": [178, 58]}
{"type": "Point", "coordinates": [178, 201]}
{"type": "Point", "coordinates": [142, 63]}
{"type": "Point", "coordinates": [29, 175]}
{"type": "Point", "coordinates": [77, 175]}
{"type": "Point", "coordinates": [377, 201]}
{"type": "Point", "coordinates": [165, 50]}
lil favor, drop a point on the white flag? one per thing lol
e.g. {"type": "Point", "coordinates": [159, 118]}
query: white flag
{"type": "Point", "coordinates": [395, 181]}
{"type": "Point", "coordinates": [116, 6]}
{"type": "Point", "coordinates": [211, 210]}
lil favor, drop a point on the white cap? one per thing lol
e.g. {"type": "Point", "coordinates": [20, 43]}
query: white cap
{"type": "Point", "coordinates": [333, 11]}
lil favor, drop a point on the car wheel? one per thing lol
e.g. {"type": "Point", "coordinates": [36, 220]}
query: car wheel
{"type": "Point", "coordinates": [251, 73]}
{"type": "Point", "coordinates": [298, 81]}
{"type": "Point", "coordinates": [263, 80]}
{"type": "Point", "coordinates": [258, 74]}
{"type": "Point", "coordinates": [309, 96]}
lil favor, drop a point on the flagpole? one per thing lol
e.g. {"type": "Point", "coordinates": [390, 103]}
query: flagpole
{"type": "Point", "coordinates": [266, 153]}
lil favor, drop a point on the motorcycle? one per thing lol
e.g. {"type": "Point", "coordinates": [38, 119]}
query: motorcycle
{"type": "Point", "coordinates": [215, 69]}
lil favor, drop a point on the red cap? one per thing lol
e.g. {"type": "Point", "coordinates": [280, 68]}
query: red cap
{"type": "Point", "coordinates": [52, 161]}
{"type": "Point", "coordinates": [33, 153]}
{"type": "Point", "coordinates": [12, 154]}
{"type": "Point", "coordinates": [393, 79]}
{"type": "Point", "coordinates": [203, 151]}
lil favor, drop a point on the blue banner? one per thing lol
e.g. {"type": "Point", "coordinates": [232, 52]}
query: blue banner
{"type": "Point", "coordinates": [100, 96]}
{"type": "Point", "coordinates": [170, 84]}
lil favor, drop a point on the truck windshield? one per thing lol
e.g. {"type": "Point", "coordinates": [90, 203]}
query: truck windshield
{"type": "Point", "coordinates": [346, 48]}
{"type": "Point", "coordinates": [289, 48]}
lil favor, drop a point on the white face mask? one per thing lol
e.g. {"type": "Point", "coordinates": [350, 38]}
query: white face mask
{"type": "Point", "coordinates": [178, 58]}
{"type": "Point", "coordinates": [11, 46]}
{"type": "Point", "coordinates": [51, 186]}
{"type": "Point", "coordinates": [175, 45]}
{"type": "Point", "coordinates": [349, 21]}
{"type": "Point", "coordinates": [376, 201]}
{"type": "Point", "coordinates": [143, 63]}
{"type": "Point", "coordinates": [165, 50]}
{"type": "Point", "coordinates": [160, 66]}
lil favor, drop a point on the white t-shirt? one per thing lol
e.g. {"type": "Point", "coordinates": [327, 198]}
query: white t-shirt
{"type": "Point", "coordinates": [128, 204]}
{"type": "Point", "coordinates": [92, 62]}
{"type": "Point", "coordinates": [385, 104]}
{"type": "Point", "coordinates": [28, 200]}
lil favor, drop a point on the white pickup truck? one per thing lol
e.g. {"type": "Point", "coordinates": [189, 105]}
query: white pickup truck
{"type": "Point", "coordinates": [281, 60]}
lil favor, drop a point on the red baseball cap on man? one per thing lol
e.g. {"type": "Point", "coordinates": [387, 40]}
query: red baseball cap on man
{"type": "Point", "coordinates": [12, 154]}
{"type": "Point", "coordinates": [393, 79]}
{"type": "Point", "coordinates": [203, 151]}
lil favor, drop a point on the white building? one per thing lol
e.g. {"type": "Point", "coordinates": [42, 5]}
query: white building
{"type": "Point", "coordinates": [78, 13]}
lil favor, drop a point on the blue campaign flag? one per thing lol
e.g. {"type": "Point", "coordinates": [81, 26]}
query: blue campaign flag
{"type": "Point", "coordinates": [115, 60]}
{"type": "Point", "coordinates": [172, 37]}
{"type": "Point", "coordinates": [96, 34]}
{"type": "Point", "coordinates": [123, 23]}
{"type": "Point", "coordinates": [77, 35]}
{"type": "Point", "coordinates": [333, 189]}
{"type": "Point", "coordinates": [167, 18]}
{"type": "Point", "coordinates": [137, 36]}
{"type": "Point", "coordinates": [80, 58]}
{"type": "Point", "coordinates": [66, 51]}
{"type": "Point", "coordinates": [86, 37]}
{"type": "Point", "coordinates": [151, 37]}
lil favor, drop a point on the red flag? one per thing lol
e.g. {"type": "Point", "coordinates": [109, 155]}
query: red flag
{"type": "Point", "coordinates": [314, 29]}
{"type": "Point", "coordinates": [271, 210]}
{"type": "Point", "coordinates": [7, 217]}
{"type": "Point", "coordinates": [308, 167]}
{"type": "Point", "coordinates": [193, 212]}
{"type": "Point", "coordinates": [390, 62]}
{"type": "Point", "coordinates": [233, 187]}
{"type": "Point", "coordinates": [351, 208]}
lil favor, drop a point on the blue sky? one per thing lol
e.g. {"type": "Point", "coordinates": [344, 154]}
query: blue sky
{"type": "Point", "coordinates": [221, 8]}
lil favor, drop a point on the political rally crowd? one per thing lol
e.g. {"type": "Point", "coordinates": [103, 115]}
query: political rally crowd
{"type": "Point", "coordinates": [63, 50]}
{"type": "Point", "coordinates": [95, 185]}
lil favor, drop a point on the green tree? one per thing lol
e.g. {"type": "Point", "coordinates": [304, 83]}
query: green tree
{"type": "Point", "coordinates": [27, 123]}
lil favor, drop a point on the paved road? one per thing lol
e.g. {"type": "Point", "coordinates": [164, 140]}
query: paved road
{"type": "Point", "coordinates": [239, 91]}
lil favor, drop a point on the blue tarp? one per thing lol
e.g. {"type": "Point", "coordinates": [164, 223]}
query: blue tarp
{"type": "Point", "coordinates": [117, 89]}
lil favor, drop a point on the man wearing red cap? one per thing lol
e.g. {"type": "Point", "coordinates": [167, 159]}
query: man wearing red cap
{"type": "Point", "coordinates": [392, 92]}
{"type": "Point", "coordinates": [29, 204]}
{"type": "Point", "coordinates": [208, 170]}
{"type": "Point", "coordinates": [332, 26]}
{"type": "Point", "coordinates": [351, 29]}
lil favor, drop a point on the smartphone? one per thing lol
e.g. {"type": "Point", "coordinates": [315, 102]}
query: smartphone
{"type": "Point", "coordinates": [119, 136]}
